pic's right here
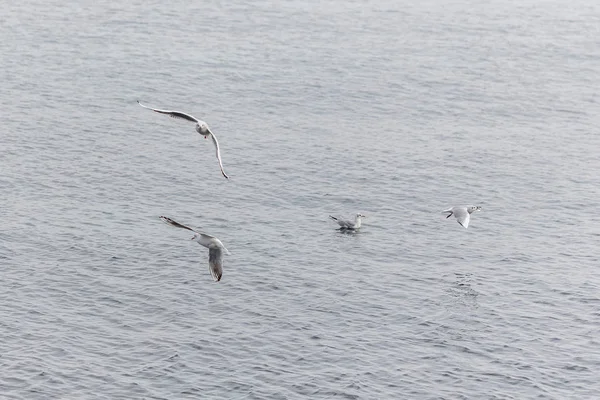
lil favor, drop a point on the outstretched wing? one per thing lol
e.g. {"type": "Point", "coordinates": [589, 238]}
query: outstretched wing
{"type": "Point", "coordinates": [462, 216]}
{"type": "Point", "coordinates": [174, 114]}
{"type": "Point", "coordinates": [177, 224]}
{"type": "Point", "coordinates": [215, 263]}
{"type": "Point", "coordinates": [216, 142]}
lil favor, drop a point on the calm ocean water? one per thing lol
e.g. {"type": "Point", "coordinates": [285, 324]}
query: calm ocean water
{"type": "Point", "coordinates": [394, 110]}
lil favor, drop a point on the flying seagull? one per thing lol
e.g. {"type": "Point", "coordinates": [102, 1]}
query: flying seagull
{"type": "Point", "coordinates": [201, 127]}
{"type": "Point", "coordinates": [214, 245]}
{"type": "Point", "coordinates": [462, 214]}
{"type": "Point", "coordinates": [346, 224]}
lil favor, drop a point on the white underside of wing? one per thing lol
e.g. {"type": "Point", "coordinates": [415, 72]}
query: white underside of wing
{"type": "Point", "coordinates": [218, 152]}
{"type": "Point", "coordinates": [463, 217]}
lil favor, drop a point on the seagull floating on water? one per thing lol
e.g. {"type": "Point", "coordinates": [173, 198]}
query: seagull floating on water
{"type": "Point", "coordinates": [201, 127]}
{"type": "Point", "coordinates": [462, 214]}
{"type": "Point", "coordinates": [346, 224]}
{"type": "Point", "coordinates": [214, 245]}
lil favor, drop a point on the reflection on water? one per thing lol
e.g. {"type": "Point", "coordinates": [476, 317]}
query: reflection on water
{"type": "Point", "coordinates": [462, 291]}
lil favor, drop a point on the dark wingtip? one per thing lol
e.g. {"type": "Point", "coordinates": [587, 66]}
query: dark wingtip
{"type": "Point", "coordinates": [167, 220]}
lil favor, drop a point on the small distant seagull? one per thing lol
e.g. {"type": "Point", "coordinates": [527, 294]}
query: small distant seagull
{"type": "Point", "coordinates": [214, 245]}
{"type": "Point", "coordinates": [462, 214]}
{"type": "Point", "coordinates": [346, 224]}
{"type": "Point", "coordinates": [201, 127]}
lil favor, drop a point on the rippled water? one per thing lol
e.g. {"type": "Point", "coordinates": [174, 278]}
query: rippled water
{"type": "Point", "coordinates": [394, 110]}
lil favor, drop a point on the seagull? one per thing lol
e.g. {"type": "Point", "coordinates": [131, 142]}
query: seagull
{"type": "Point", "coordinates": [346, 224]}
{"type": "Point", "coordinates": [201, 127]}
{"type": "Point", "coordinates": [214, 245]}
{"type": "Point", "coordinates": [462, 214]}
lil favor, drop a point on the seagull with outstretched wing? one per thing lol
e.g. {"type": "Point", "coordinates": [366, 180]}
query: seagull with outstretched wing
{"type": "Point", "coordinates": [462, 214]}
{"type": "Point", "coordinates": [201, 127]}
{"type": "Point", "coordinates": [214, 246]}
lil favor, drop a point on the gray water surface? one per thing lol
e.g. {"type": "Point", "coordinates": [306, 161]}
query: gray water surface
{"type": "Point", "coordinates": [394, 110]}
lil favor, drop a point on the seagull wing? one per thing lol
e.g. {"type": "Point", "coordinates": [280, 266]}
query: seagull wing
{"type": "Point", "coordinates": [216, 142]}
{"type": "Point", "coordinates": [339, 221]}
{"type": "Point", "coordinates": [174, 114]}
{"type": "Point", "coordinates": [462, 216]}
{"type": "Point", "coordinates": [350, 224]}
{"type": "Point", "coordinates": [215, 262]}
{"type": "Point", "coordinates": [448, 212]}
{"type": "Point", "coordinates": [178, 225]}
{"type": "Point", "coordinates": [342, 222]}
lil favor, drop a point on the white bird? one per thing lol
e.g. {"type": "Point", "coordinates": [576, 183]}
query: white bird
{"type": "Point", "coordinates": [462, 214]}
{"type": "Point", "coordinates": [201, 127]}
{"type": "Point", "coordinates": [346, 224]}
{"type": "Point", "coordinates": [214, 245]}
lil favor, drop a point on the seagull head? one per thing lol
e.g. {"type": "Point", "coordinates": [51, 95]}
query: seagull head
{"type": "Point", "coordinates": [359, 215]}
{"type": "Point", "coordinates": [202, 128]}
{"type": "Point", "coordinates": [473, 209]}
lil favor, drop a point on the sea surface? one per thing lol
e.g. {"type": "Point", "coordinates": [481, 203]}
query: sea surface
{"type": "Point", "coordinates": [397, 110]}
